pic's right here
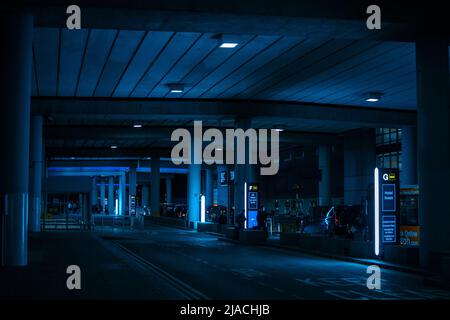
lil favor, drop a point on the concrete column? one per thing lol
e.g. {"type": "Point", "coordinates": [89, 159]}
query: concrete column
{"type": "Point", "coordinates": [132, 181]}
{"type": "Point", "coordinates": [145, 195]}
{"type": "Point", "coordinates": [85, 212]}
{"type": "Point", "coordinates": [433, 118]}
{"type": "Point", "coordinates": [80, 203]}
{"type": "Point", "coordinates": [155, 198]}
{"type": "Point", "coordinates": [102, 193]}
{"type": "Point", "coordinates": [208, 186]}
{"type": "Point", "coordinates": [94, 192]}
{"type": "Point", "coordinates": [111, 198]}
{"type": "Point", "coordinates": [122, 194]}
{"type": "Point", "coordinates": [37, 165]}
{"type": "Point", "coordinates": [243, 172]}
{"type": "Point", "coordinates": [169, 189]}
{"type": "Point", "coordinates": [359, 163]}
{"type": "Point", "coordinates": [222, 190]}
{"type": "Point", "coordinates": [16, 33]}
{"type": "Point", "coordinates": [324, 156]}
{"type": "Point", "coordinates": [408, 174]}
{"type": "Point", "coordinates": [193, 192]}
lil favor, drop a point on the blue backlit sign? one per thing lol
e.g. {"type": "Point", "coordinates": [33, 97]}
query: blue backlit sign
{"type": "Point", "coordinates": [252, 205]}
{"type": "Point", "coordinates": [388, 198]}
{"type": "Point", "coordinates": [253, 200]}
{"type": "Point", "coordinates": [387, 205]}
{"type": "Point", "coordinates": [389, 228]}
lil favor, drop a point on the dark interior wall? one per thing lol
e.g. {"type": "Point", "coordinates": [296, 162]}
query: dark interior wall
{"type": "Point", "coordinates": [298, 173]}
{"type": "Point", "coordinates": [337, 172]}
{"type": "Point", "coordinates": [67, 184]}
{"type": "Point", "coordinates": [360, 160]}
{"type": "Point", "coordinates": [179, 188]}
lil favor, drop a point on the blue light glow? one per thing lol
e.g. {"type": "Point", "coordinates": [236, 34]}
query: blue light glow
{"type": "Point", "coordinates": [377, 213]}
{"type": "Point", "coordinates": [115, 169]}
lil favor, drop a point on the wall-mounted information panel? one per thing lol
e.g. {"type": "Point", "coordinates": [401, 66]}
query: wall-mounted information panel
{"type": "Point", "coordinates": [388, 205]}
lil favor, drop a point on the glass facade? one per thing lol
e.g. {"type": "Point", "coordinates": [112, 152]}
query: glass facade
{"type": "Point", "coordinates": [389, 154]}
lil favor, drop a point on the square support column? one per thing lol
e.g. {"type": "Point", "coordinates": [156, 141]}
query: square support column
{"type": "Point", "coordinates": [433, 118]}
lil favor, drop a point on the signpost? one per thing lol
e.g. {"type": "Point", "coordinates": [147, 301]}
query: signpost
{"type": "Point", "coordinates": [252, 199]}
{"type": "Point", "coordinates": [387, 208]}
{"type": "Point", "coordinates": [132, 207]}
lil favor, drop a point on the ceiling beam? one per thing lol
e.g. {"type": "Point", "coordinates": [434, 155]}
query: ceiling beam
{"type": "Point", "coordinates": [162, 134]}
{"type": "Point", "coordinates": [190, 110]}
{"type": "Point", "coordinates": [52, 152]}
{"type": "Point", "coordinates": [326, 18]}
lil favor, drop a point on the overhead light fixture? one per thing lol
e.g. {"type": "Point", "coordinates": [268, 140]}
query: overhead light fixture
{"type": "Point", "coordinates": [226, 41]}
{"type": "Point", "coordinates": [228, 45]}
{"type": "Point", "coordinates": [373, 96]}
{"type": "Point", "coordinates": [113, 147]}
{"type": "Point", "coordinates": [137, 125]}
{"type": "Point", "coordinates": [279, 128]}
{"type": "Point", "coordinates": [176, 87]}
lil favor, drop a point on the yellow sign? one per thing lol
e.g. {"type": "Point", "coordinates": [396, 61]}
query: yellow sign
{"type": "Point", "coordinates": [409, 235]}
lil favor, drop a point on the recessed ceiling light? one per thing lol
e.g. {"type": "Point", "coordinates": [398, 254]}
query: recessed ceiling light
{"type": "Point", "coordinates": [373, 96]}
{"type": "Point", "coordinates": [114, 147]}
{"type": "Point", "coordinates": [279, 127]}
{"type": "Point", "coordinates": [137, 125]}
{"type": "Point", "coordinates": [228, 45]}
{"type": "Point", "coordinates": [176, 87]}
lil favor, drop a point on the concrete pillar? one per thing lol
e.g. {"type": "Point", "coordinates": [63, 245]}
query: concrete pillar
{"type": "Point", "coordinates": [408, 174]}
{"type": "Point", "coordinates": [359, 163]}
{"type": "Point", "coordinates": [102, 193]}
{"type": "Point", "coordinates": [94, 192]}
{"type": "Point", "coordinates": [243, 172]}
{"type": "Point", "coordinates": [193, 192]}
{"type": "Point", "coordinates": [85, 212]}
{"type": "Point", "coordinates": [16, 33]}
{"type": "Point", "coordinates": [145, 195]}
{"type": "Point", "coordinates": [169, 189]}
{"type": "Point", "coordinates": [132, 181]}
{"type": "Point", "coordinates": [433, 118]}
{"type": "Point", "coordinates": [37, 165]}
{"type": "Point", "coordinates": [208, 186]}
{"type": "Point", "coordinates": [122, 194]}
{"type": "Point", "coordinates": [324, 156]}
{"type": "Point", "coordinates": [155, 198]}
{"type": "Point", "coordinates": [111, 198]}
{"type": "Point", "coordinates": [80, 202]}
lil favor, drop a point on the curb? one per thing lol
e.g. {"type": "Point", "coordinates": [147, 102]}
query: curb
{"type": "Point", "coordinates": [337, 257]}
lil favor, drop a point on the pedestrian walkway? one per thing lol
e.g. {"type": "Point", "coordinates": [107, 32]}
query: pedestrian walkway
{"type": "Point", "coordinates": [104, 274]}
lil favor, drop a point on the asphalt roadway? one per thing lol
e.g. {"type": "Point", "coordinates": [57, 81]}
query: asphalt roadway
{"type": "Point", "coordinates": [162, 263]}
{"type": "Point", "coordinates": [201, 266]}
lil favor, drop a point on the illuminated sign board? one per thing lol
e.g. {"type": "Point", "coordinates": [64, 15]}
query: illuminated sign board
{"type": "Point", "coordinates": [389, 227]}
{"type": "Point", "coordinates": [388, 198]}
{"type": "Point", "coordinates": [409, 235]}
{"type": "Point", "coordinates": [132, 206]}
{"type": "Point", "coordinates": [387, 208]}
{"type": "Point", "coordinates": [223, 178]}
{"type": "Point", "coordinates": [252, 205]}
{"type": "Point", "coordinates": [252, 200]}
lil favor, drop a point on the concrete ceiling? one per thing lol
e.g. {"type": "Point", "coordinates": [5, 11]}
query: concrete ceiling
{"type": "Point", "coordinates": [141, 64]}
{"type": "Point", "coordinates": [304, 65]}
